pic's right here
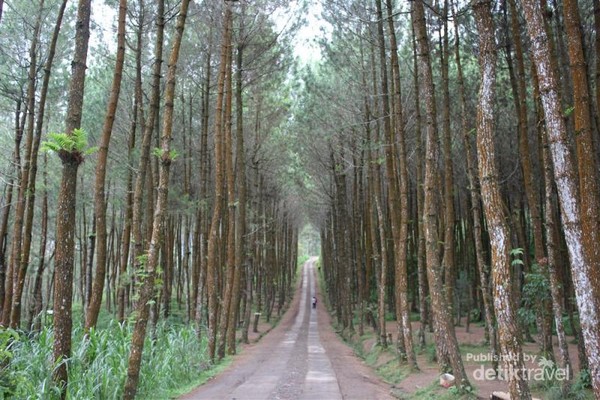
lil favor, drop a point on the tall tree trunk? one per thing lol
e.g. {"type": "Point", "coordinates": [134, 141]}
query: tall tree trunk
{"type": "Point", "coordinates": [18, 262]}
{"type": "Point", "coordinates": [138, 119]}
{"type": "Point", "coordinates": [212, 256]}
{"type": "Point", "coordinates": [240, 225]}
{"type": "Point", "coordinates": [556, 289]}
{"type": "Point", "coordinates": [449, 258]}
{"type": "Point", "coordinates": [401, 193]}
{"type": "Point", "coordinates": [144, 162]}
{"type": "Point", "coordinates": [531, 191]}
{"type": "Point", "coordinates": [447, 345]}
{"type": "Point", "coordinates": [166, 158]}
{"type": "Point", "coordinates": [202, 221]}
{"type": "Point", "coordinates": [585, 269]}
{"type": "Point", "coordinates": [99, 191]}
{"type": "Point", "coordinates": [226, 308]}
{"type": "Point", "coordinates": [421, 264]}
{"type": "Point", "coordinates": [511, 351]}
{"type": "Point", "coordinates": [6, 272]}
{"type": "Point", "coordinates": [66, 204]}
{"type": "Point", "coordinates": [471, 164]}
{"type": "Point", "coordinates": [36, 306]}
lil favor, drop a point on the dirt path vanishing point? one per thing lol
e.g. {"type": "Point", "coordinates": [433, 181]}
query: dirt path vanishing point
{"type": "Point", "coordinates": [302, 358]}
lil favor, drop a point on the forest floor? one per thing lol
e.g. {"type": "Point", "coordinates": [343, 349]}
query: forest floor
{"type": "Point", "coordinates": [303, 357]}
{"type": "Point", "coordinates": [424, 384]}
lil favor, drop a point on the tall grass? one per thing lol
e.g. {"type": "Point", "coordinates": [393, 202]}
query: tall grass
{"type": "Point", "coordinates": [173, 358]}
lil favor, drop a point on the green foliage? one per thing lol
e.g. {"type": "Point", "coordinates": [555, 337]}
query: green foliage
{"type": "Point", "coordinates": [8, 382]}
{"type": "Point", "coordinates": [555, 390]}
{"type": "Point", "coordinates": [535, 291]}
{"type": "Point", "coordinates": [516, 254]}
{"type": "Point", "coordinates": [157, 152]}
{"type": "Point", "coordinates": [74, 143]}
{"type": "Point", "coordinates": [583, 381]}
{"type": "Point", "coordinates": [569, 111]}
{"type": "Point", "coordinates": [98, 365]}
{"type": "Point", "coordinates": [435, 392]}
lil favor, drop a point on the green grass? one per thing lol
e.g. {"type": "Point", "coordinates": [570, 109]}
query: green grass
{"type": "Point", "coordinates": [435, 392]}
{"type": "Point", "coordinates": [174, 361]}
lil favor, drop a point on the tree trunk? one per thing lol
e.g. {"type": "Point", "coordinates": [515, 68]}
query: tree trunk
{"type": "Point", "coordinates": [240, 225]}
{"type": "Point", "coordinates": [476, 211]}
{"type": "Point", "coordinates": [212, 256]}
{"type": "Point", "coordinates": [556, 289]}
{"type": "Point", "coordinates": [584, 268]}
{"type": "Point", "coordinates": [447, 345]}
{"type": "Point", "coordinates": [36, 306]}
{"type": "Point", "coordinates": [226, 308]}
{"type": "Point", "coordinates": [166, 158]}
{"type": "Point", "coordinates": [66, 204]}
{"type": "Point", "coordinates": [100, 183]}
{"type": "Point", "coordinates": [511, 351]}
{"type": "Point", "coordinates": [421, 264]}
{"type": "Point", "coordinates": [20, 245]}
{"type": "Point", "coordinates": [449, 259]}
{"type": "Point", "coordinates": [399, 222]}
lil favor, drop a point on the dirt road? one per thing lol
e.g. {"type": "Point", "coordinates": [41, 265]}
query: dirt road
{"type": "Point", "coordinates": [302, 358]}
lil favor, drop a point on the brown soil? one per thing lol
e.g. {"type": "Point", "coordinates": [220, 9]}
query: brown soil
{"type": "Point", "coordinates": [473, 345]}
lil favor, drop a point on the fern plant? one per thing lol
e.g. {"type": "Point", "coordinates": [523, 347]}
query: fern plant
{"type": "Point", "coordinates": [74, 143]}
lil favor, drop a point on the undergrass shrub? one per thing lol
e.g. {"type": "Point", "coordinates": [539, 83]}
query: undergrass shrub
{"type": "Point", "coordinates": [172, 359]}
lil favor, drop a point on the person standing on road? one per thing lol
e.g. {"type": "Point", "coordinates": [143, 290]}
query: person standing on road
{"type": "Point", "coordinates": [314, 302]}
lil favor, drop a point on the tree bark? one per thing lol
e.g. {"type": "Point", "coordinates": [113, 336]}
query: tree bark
{"type": "Point", "coordinates": [401, 197]}
{"type": "Point", "coordinates": [447, 345]}
{"type": "Point", "coordinates": [474, 192]}
{"type": "Point", "coordinates": [66, 204]}
{"type": "Point", "coordinates": [584, 268]}
{"type": "Point", "coordinates": [99, 192]}
{"type": "Point", "coordinates": [212, 251]}
{"type": "Point", "coordinates": [20, 249]}
{"type": "Point", "coordinates": [166, 158]}
{"type": "Point", "coordinates": [511, 352]}
{"type": "Point", "coordinates": [240, 225]}
{"type": "Point", "coordinates": [556, 289]}
{"type": "Point", "coordinates": [230, 244]}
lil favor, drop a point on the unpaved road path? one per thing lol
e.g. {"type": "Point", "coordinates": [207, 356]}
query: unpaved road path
{"type": "Point", "coordinates": [302, 358]}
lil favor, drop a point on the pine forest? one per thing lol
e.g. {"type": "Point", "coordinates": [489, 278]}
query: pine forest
{"type": "Point", "coordinates": [305, 199]}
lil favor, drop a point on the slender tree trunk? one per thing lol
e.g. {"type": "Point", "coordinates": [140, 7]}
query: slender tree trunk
{"type": "Point", "coordinates": [144, 163]}
{"type": "Point", "coordinates": [7, 270]}
{"type": "Point", "coordinates": [401, 200]}
{"type": "Point", "coordinates": [166, 158]}
{"type": "Point", "coordinates": [449, 259]}
{"type": "Point", "coordinates": [240, 225]}
{"type": "Point", "coordinates": [596, 107]}
{"type": "Point", "coordinates": [127, 226]}
{"type": "Point", "coordinates": [226, 308]}
{"type": "Point", "coordinates": [511, 351]}
{"type": "Point", "coordinates": [421, 265]}
{"type": "Point", "coordinates": [212, 256]}
{"type": "Point", "coordinates": [18, 262]}
{"type": "Point", "coordinates": [556, 289]}
{"type": "Point", "coordinates": [587, 163]}
{"type": "Point", "coordinates": [36, 306]}
{"type": "Point", "coordinates": [447, 345]}
{"type": "Point", "coordinates": [99, 191]}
